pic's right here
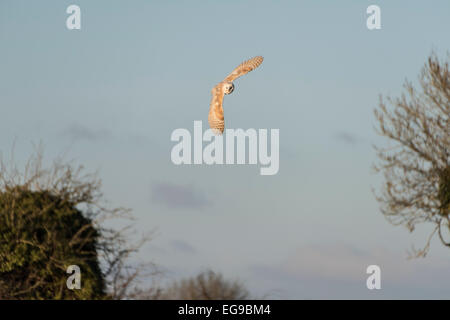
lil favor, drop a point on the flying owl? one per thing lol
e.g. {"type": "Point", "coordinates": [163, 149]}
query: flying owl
{"type": "Point", "coordinates": [215, 117]}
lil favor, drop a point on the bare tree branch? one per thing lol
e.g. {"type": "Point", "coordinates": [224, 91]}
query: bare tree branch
{"type": "Point", "coordinates": [416, 166]}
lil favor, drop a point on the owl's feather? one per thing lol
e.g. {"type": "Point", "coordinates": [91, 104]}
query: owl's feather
{"type": "Point", "coordinates": [215, 117]}
{"type": "Point", "coordinates": [244, 68]}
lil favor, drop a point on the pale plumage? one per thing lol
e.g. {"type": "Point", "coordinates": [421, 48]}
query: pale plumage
{"type": "Point", "coordinates": [215, 117]}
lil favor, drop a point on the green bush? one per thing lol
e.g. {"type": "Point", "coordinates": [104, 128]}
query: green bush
{"type": "Point", "coordinates": [41, 234]}
{"type": "Point", "coordinates": [444, 191]}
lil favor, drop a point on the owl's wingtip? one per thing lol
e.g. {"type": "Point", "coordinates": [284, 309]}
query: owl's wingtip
{"type": "Point", "coordinates": [258, 60]}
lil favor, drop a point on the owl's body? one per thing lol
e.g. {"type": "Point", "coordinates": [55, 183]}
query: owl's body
{"type": "Point", "coordinates": [215, 117]}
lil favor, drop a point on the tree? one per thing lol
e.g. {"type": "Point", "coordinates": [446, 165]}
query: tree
{"type": "Point", "coordinates": [205, 286]}
{"type": "Point", "coordinates": [416, 167]}
{"type": "Point", "coordinates": [53, 218]}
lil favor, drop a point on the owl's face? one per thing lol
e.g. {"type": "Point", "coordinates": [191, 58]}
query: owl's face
{"type": "Point", "coordinates": [228, 87]}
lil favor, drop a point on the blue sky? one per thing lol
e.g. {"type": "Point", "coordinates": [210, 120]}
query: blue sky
{"type": "Point", "coordinates": [109, 96]}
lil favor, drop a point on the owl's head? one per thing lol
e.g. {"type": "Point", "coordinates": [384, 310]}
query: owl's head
{"type": "Point", "coordinates": [228, 87]}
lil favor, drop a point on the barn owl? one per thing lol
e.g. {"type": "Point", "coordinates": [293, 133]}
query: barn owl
{"type": "Point", "coordinates": [215, 117]}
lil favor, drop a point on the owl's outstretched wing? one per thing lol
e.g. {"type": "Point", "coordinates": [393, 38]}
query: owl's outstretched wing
{"type": "Point", "coordinates": [215, 117]}
{"type": "Point", "coordinates": [244, 67]}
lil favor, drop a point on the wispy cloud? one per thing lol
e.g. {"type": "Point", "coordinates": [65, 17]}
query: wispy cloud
{"type": "Point", "coordinates": [339, 271]}
{"type": "Point", "coordinates": [179, 196]}
{"type": "Point", "coordinates": [82, 132]}
{"type": "Point", "coordinates": [182, 246]}
{"type": "Point", "coordinates": [347, 138]}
